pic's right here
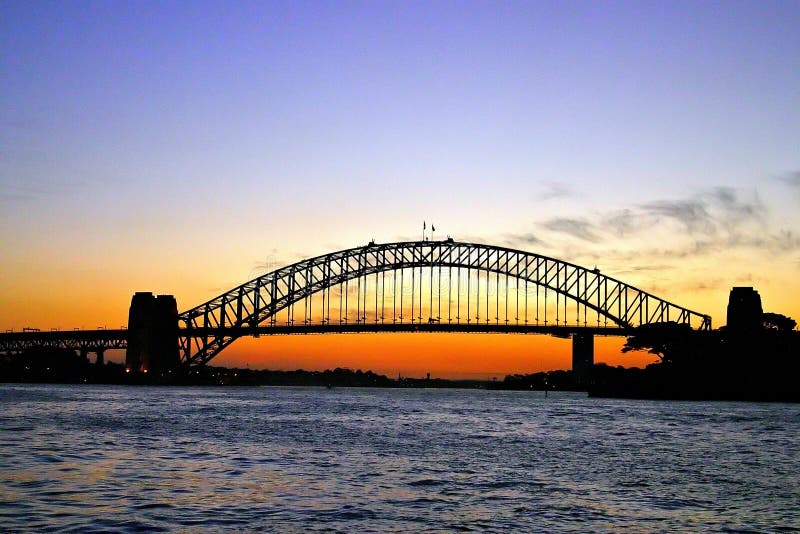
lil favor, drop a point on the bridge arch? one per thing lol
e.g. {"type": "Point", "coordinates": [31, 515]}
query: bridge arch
{"type": "Point", "coordinates": [219, 321]}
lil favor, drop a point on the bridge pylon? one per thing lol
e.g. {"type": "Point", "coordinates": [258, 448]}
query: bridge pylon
{"type": "Point", "coordinates": [152, 334]}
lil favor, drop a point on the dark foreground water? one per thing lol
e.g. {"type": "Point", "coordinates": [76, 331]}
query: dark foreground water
{"type": "Point", "coordinates": [88, 458]}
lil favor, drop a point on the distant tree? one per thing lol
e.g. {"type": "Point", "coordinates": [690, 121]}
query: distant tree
{"type": "Point", "coordinates": [776, 321]}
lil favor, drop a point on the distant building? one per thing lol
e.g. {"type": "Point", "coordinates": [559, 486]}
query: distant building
{"type": "Point", "coordinates": [744, 309]}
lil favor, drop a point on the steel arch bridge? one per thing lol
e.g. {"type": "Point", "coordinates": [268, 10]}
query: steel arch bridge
{"type": "Point", "coordinates": [441, 283]}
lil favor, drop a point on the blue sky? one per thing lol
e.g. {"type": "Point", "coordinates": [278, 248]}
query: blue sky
{"type": "Point", "coordinates": [660, 140]}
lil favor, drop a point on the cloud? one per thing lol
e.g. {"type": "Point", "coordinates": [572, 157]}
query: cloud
{"type": "Point", "coordinates": [270, 263]}
{"type": "Point", "coordinates": [727, 198]}
{"type": "Point", "coordinates": [623, 223]}
{"type": "Point", "coordinates": [553, 190]}
{"type": "Point", "coordinates": [690, 213]}
{"type": "Point", "coordinates": [734, 212]}
{"type": "Point", "coordinates": [694, 249]}
{"type": "Point", "coordinates": [659, 235]}
{"type": "Point", "coordinates": [714, 212]}
{"type": "Point", "coordinates": [784, 241]}
{"type": "Point", "coordinates": [27, 191]}
{"type": "Point", "coordinates": [526, 238]}
{"type": "Point", "coordinates": [578, 228]}
{"type": "Point", "coordinates": [644, 269]}
{"type": "Point", "coordinates": [792, 179]}
{"type": "Point", "coordinates": [713, 284]}
{"type": "Point", "coordinates": [781, 242]}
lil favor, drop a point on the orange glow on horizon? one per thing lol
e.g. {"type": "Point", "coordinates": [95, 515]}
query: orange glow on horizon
{"type": "Point", "coordinates": [443, 355]}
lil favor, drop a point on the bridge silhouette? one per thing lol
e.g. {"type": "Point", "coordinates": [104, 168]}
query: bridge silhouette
{"type": "Point", "coordinates": [416, 286]}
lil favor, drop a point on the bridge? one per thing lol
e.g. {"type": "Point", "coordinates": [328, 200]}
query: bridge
{"type": "Point", "coordinates": [416, 286]}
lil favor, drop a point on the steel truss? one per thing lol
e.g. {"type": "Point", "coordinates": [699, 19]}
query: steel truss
{"type": "Point", "coordinates": [213, 325]}
{"type": "Point", "coordinates": [83, 341]}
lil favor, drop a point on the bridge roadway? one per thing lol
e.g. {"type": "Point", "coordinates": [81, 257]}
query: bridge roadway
{"type": "Point", "coordinates": [494, 328]}
{"type": "Point", "coordinates": [102, 340]}
{"type": "Point", "coordinates": [80, 340]}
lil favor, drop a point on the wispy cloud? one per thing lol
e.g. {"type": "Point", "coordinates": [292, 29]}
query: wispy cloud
{"type": "Point", "coordinates": [554, 190]}
{"type": "Point", "coordinates": [657, 236]}
{"type": "Point", "coordinates": [644, 269]}
{"type": "Point", "coordinates": [524, 239]}
{"type": "Point", "coordinates": [732, 211]}
{"type": "Point", "coordinates": [24, 192]}
{"type": "Point", "coordinates": [266, 265]}
{"type": "Point", "coordinates": [727, 198]}
{"type": "Point", "coordinates": [783, 241]}
{"type": "Point", "coordinates": [691, 214]}
{"type": "Point", "coordinates": [713, 284]}
{"type": "Point", "coordinates": [792, 179]}
{"type": "Point", "coordinates": [623, 223]}
{"type": "Point", "coordinates": [578, 228]}
{"type": "Point", "coordinates": [709, 213]}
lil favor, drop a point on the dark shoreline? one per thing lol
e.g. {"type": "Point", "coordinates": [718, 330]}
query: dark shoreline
{"type": "Point", "coordinates": [709, 374]}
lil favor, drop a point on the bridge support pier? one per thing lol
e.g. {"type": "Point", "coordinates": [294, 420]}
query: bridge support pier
{"type": "Point", "coordinates": [152, 334]}
{"type": "Point", "coordinates": [582, 356]}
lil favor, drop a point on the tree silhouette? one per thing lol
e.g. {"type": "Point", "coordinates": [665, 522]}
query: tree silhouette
{"type": "Point", "coordinates": [777, 321]}
{"type": "Point", "coordinates": [665, 340]}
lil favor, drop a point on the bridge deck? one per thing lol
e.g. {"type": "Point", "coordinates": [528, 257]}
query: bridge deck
{"type": "Point", "coordinates": [559, 331]}
{"type": "Point", "coordinates": [94, 340]}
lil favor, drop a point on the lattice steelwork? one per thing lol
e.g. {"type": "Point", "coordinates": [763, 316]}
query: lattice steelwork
{"type": "Point", "coordinates": [423, 282]}
{"type": "Point", "coordinates": [96, 341]}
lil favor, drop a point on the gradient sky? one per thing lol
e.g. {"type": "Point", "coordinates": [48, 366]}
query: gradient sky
{"type": "Point", "coordinates": [180, 147]}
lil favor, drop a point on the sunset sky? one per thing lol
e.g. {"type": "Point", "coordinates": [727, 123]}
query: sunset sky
{"type": "Point", "coordinates": [183, 147]}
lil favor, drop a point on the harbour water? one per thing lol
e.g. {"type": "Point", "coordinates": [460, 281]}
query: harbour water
{"type": "Point", "coordinates": [100, 458]}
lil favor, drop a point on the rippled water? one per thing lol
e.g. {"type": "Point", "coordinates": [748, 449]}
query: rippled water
{"type": "Point", "coordinates": [300, 459]}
